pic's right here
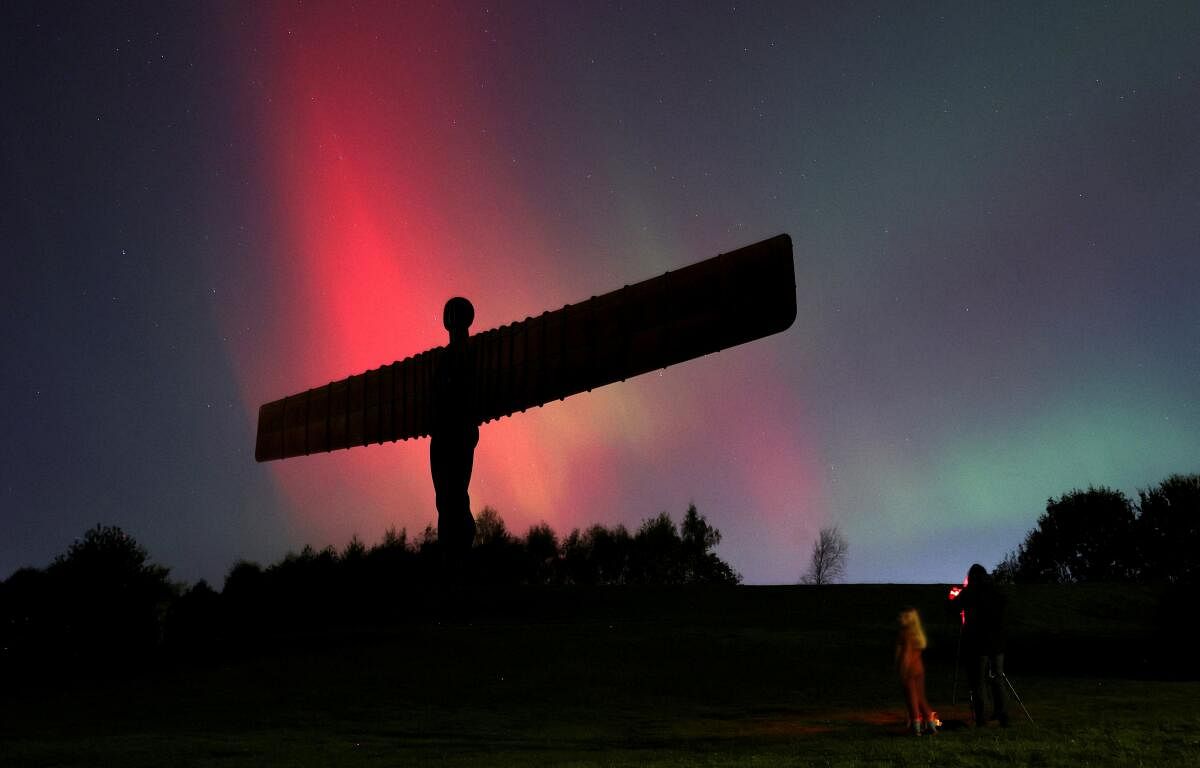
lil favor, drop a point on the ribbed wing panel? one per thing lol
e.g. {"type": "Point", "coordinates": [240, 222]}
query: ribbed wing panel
{"type": "Point", "coordinates": [389, 403]}
{"type": "Point", "coordinates": [714, 304]}
{"type": "Point", "coordinates": [706, 307]}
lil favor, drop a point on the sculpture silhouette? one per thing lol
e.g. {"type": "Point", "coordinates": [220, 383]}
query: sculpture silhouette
{"type": "Point", "coordinates": [454, 433]}
{"type": "Point", "coordinates": [447, 392]}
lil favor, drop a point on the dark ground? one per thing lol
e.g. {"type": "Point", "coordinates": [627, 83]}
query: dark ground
{"type": "Point", "coordinates": [671, 676]}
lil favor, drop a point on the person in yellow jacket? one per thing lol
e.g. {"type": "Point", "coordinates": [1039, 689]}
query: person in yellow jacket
{"type": "Point", "coordinates": [910, 642]}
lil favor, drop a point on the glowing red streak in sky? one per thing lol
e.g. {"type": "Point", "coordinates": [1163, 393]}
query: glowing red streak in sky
{"type": "Point", "coordinates": [390, 195]}
{"type": "Point", "coordinates": [386, 192]}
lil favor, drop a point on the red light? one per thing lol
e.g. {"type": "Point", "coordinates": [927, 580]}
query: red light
{"type": "Point", "coordinates": [955, 592]}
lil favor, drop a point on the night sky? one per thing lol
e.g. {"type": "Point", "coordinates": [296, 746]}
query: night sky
{"type": "Point", "coordinates": [205, 206]}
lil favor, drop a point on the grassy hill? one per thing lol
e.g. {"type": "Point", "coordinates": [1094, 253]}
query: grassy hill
{"type": "Point", "coordinates": [710, 676]}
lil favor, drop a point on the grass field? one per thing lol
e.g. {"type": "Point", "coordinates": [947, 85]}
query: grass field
{"type": "Point", "coordinates": [754, 676]}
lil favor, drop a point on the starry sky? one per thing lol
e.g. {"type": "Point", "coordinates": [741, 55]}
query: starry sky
{"type": "Point", "coordinates": [205, 206]}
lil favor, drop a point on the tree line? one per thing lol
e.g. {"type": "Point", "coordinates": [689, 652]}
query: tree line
{"type": "Point", "coordinates": [1101, 535]}
{"type": "Point", "coordinates": [105, 599]}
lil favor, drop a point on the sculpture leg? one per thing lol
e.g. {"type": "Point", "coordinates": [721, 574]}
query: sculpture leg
{"type": "Point", "coordinates": [451, 456]}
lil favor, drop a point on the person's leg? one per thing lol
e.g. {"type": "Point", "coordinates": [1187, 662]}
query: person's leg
{"type": "Point", "coordinates": [975, 671]}
{"type": "Point", "coordinates": [926, 713]}
{"type": "Point", "coordinates": [912, 704]}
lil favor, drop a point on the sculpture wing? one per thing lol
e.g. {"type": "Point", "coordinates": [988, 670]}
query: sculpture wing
{"type": "Point", "coordinates": [714, 304]}
{"type": "Point", "coordinates": [385, 404]}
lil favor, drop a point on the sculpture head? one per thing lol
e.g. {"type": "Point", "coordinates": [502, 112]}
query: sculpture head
{"type": "Point", "coordinates": [457, 317]}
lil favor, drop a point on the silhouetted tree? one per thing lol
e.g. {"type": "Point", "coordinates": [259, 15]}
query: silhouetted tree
{"type": "Point", "coordinates": [1168, 530]}
{"type": "Point", "coordinates": [700, 563]}
{"type": "Point", "coordinates": [313, 589]}
{"type": "Point", "coordinates": [496, 555]}
{"type": "Point", "coordinates": [245, 579]}
{"type": "Point", "coordinates": [1083, 536]}
{"type": "Point", "coordinates": [427, 541]}
{"type": "Point", "coordinates": [355, 551]}
{"type": "Point", "coordinates": [247, 602]}
{"type": "Point", "coordinates": [112, 597]}
{"type": "Point", "coordinates": [195, 620]}
{"type": "Point", "coordinates": [576, 567]}
{"type": "Point", "coordinates": [391, 563]}
{"type": "Point", "coordinates": [612, 553]}
{"type": "Point", "coordinates": [541, 555]}
{"type": "Point", "coordinates": [490, 528]}
{"type": "Point", "coordinates": [30, 619]}
{"type": "Point", "coordinates": [657, 551]}
{"type": "Point", "coordinates": [597, 556]}
{"type": "Point", "coordinates": [828, 561]}
{"type": "Point", "coordinates": [1006, 571]}
{"type": "Point", "coordinates": [393, 540]}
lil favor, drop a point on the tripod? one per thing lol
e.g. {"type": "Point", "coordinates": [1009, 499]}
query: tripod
{"type": "Point", "coordinates": [992, 674]}
{"type": "Point", "coordinates": [1016, 696]}
{"type": "Point", "coordinates": [1011, 689]}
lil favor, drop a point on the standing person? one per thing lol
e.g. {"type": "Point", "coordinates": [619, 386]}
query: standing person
{"type": "Point", "coordinates": [910, 642]}
{"type": "Point", "coordinates": [982, 607]}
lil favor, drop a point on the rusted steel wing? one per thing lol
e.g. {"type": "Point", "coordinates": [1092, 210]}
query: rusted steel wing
{"type": "Point", "coordinates": [714, 304]}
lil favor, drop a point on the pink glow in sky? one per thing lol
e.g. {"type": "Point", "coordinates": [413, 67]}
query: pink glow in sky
{"type": "Point", "coordinates": [390, 200]}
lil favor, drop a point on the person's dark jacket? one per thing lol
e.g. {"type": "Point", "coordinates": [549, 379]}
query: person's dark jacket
{"type": "Point", "coordinates": [983, 607]}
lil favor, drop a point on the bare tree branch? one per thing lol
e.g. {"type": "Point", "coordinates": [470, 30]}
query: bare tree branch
{"type": "Point", "coordinates": [828, 557]}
